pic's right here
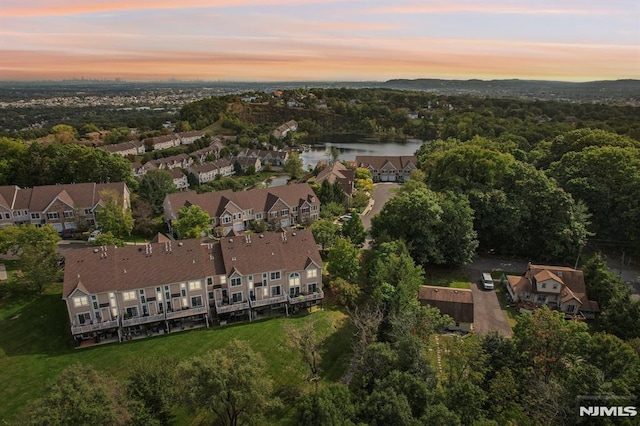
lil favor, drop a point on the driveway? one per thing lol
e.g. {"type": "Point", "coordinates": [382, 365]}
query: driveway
{"type": "Point", "coordinates": [488, 316]}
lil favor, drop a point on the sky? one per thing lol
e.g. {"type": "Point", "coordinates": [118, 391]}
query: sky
{"type": "Point", "coordinates": [314, 40]}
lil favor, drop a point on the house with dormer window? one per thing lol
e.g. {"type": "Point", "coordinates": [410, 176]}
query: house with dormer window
{"type": "Point", "coordinates": [558, 287]}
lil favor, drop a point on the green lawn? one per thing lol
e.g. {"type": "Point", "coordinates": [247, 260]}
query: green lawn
{"type": "Point", "coordinates": [508, 308]}
{"type": "Point", "coordinates": [36, 346]}
{"type": "Point", "coordinates": [455, 278]}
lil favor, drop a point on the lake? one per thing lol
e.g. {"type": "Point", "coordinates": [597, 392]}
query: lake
{"type": "Point", "coordinates": [352, 145]}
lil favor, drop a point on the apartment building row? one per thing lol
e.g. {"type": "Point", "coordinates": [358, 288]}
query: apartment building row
{"type": "Point", "coordinates": [388, 168]}
{"type": "Point", "coordinates": [63, 206]}
{"type": "Point", "coordinates": [281, 206]}
{"type": "Point", "coordinates": [115, 294]}
{"type": "Point", "coordinates": [175, 139]}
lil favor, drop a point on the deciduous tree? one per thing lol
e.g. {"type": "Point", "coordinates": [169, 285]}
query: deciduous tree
{"type": "Point", "coordinates": [192, 222]}
{"type": "Point", "coordinates": [229, 382]}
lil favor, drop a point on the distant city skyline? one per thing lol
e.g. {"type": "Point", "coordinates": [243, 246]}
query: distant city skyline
{"type": "Point", "coordinates": [314, 40]}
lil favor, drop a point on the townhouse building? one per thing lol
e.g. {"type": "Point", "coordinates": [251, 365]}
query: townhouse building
{"type": "Point", "coordinates": [246, 163]}
{"type": "Point", "coordinates": [388, 168]}
{"type": "Point", "coordinates": [207, 172]}
{"type": "Point", "coordinates": [279, 207]}
{"type": "Point", "coordinates": [179, 179]}
{"type": "Point", "coordinates": [338, 172]}
{"type": "Point", "coordinates": [182, 161]}
{"type": "Point", "coordinates": [175, 139]}
{"type": "Point", "coordinates": [283, 130]}
{"type": "Point", "coordinates": [126, 149]}
{"type": "Point", "coordinates": [116, 294]}
{"type": "Point", "coordinates": [62, 206]}
{"type": "Point", "coordinates": [272, 158]}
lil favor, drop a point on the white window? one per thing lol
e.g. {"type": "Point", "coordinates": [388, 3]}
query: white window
{"type": "Point", "coordinates": [131, 311]}
{"type": "Point", "coordinates": [275, 275]}
{"type": "Point", "coordinates": [35, 215]}
{"type": "Point", "coordinates": [295, 209]}
{"type": "Point", "coordinates": [68, 214]}
{"type": "Point", "coordinates": [223, 279]}
{"type": "Point", "coordinates": [571, 308]}
{"type": "Point", "coordinates": [313, 287]}
{"type": "Point", "coordinates": [273, 215]}
{"type": "Point", "coordinates": [544, 285]}
{"type": "Point", "coordinates": [555, 286]}
{"type": "Point", "coordinates": [275, 291]}
{"type": "Point", "coordinates": [7, 215]}
{"type": "Point", "coordinates": [312, 273]}
{"type": "Point", "coordinates": [236, 297]}
{"type": "Point", "coordinates": [305, 210]}
{"type": "Point", "coordinates": [226, 219]}
{"type": "Point", "coordinates": [194, 285]}
{"type": "Point", "coordinates": [284, 212]}
{"type": "Point", "coordinates": [258, 216]}
{"type": "Point", "coordinates": [196, 301]}
{"type": "Point", "coordinates": [80, 301]}
{"type": "Point", "coordinates": [235, 282]}
{"type": "Point", "coordinates": [294, 279]}
{"type": "Point", "coordinates": [87, 211]}
{"type": "Point", "coordinates": [128, 295]}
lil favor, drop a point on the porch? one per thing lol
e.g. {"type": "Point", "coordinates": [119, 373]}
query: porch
{"type": "Point", "coordinates": [94, 327]}
{"type": "Point", "coordinates": [306, 297]}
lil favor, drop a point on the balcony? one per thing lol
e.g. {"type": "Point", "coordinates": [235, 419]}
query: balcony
{"type": "Point", "coordinates": [270, 301]}
{"type": "Point", "coordinates": [187, 312]}
{"type": "Point", "coordinates": [88, 328]}
{"type": "Point", "coordinates": [142, 320]}
{"type": "Point", "coordinates": [226, 308]}
{"type": "Point", "coordinates": [317, 295]}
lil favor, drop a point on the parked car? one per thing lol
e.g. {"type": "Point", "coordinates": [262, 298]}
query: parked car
{"type": "Point", "coordinates": [345, 218]}
{"type": "Point", "coordinates": [67, 234]}
{"type": "Point", "coordinates": [487, 281]}
{"type": "Point", "coordinates": [93, 235]}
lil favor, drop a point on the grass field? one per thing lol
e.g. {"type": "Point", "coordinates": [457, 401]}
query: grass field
{"type": "Point", "coordinates": [36, 346]}
{"type": "Point", "coordinates": [455, 278]}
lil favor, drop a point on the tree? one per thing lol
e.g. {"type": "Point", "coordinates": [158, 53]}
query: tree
{"type": "Point", "coordinates": [437, 227]}
{"type": "Point", "coordinates": [394, 277]}
{"type": "Point", "coordinates": [307, 340]}
{"type": "Point", "coordinates": [607, 180]}
{"type": "Point", "coordinates": [37, 250]}
{"type": "Point", "coordinates": [150, 384]}
{"type": "Point", "coordinates": [143, 220]}
{"type": "Point", "coordinates": [192, 222]}
{"type": "Point", "coordinates": [548, 343]}
{"type": "Point", "coordinates": [363, 181]}
{"type": "Point", "coordinates": [229, 382]}
{"type": "Point", "coordinates": [343, 261]}
{"type": "Point", "coordinates": [293, 165]}
{"type": "Point", "coordinates": [113, 215]}
{"type": "Point", "coordinates": [154, 187]}
{"type": "Point", "coordinates": [330, 405]}
{"type": "Point", "coordinates": [354, 230]}
{"type": "Point", "coordinates": [80, 396]}
{"type": "Point", "coordinates": [325, 232]}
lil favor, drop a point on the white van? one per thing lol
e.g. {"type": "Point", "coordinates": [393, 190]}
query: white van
{"type": "Point", "coordinates": [487, 281]}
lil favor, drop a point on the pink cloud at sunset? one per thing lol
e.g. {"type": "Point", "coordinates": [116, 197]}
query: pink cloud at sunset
{"type": "Point", "coordinates": [311, 40]}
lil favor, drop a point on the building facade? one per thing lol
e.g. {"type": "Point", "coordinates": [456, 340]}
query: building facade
{"type": "Point", "coordinates": [279, 207]}
{"type": "Point", "coordinates": [116, 294]}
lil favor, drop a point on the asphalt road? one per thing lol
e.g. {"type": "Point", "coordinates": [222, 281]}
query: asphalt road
{"type": "Point", "coordinates": [381, 194]}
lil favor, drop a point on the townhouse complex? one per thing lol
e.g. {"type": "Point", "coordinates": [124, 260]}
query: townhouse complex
{"type": "Point", "coordinates": [115, 294]}
{"type": "Point", "coordinates": [62, 206]}
{"type": "Point", "coordinates": [280, 207]}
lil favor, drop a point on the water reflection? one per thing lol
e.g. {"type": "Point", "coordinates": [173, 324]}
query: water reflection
{"type": "Point", "coordinates": [352, 145]}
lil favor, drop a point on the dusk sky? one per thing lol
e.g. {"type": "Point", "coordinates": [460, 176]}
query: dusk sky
{"type": "Point", "coordinates": [330, 40]}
